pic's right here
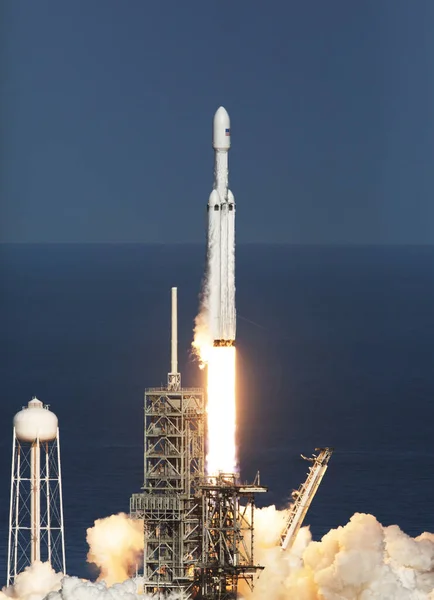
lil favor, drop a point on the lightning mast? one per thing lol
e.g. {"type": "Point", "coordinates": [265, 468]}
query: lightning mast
{"type": "Point", "coordinates": [174, 378]}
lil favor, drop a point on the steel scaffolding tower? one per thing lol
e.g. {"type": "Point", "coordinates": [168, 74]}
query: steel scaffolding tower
{"type": "Point", "coordinates": [227, 527]}
{"type": "Point", "coordinates": [174, 458]}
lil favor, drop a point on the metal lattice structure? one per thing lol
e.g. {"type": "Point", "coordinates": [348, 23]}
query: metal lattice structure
{"type": "Point", "coordinates": [169, 505]}
{"type": "Point", "coordinates": [304, 495]}
{"type": "Point", "coordinates": [227, 526]}
{"type": "Point", "coordinates": [36, 528]}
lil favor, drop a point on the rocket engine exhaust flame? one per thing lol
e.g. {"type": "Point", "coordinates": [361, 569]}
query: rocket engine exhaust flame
{"type": "Point", "coordinates": [221, 455]}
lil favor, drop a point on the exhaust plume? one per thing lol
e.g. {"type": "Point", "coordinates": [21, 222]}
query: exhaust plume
{"type": "Point", "coordinates": [202, 340]}
{"type": "Point", "coordinates": [34, 583]}
{"type": "Point", "coordinates": [361, 561]}
{"type": "Point", "coordinates": [115, 545]}
{"type": "Point", "coordinates": [221, 366]}
{"type": "Point", "coordinates": [74, 588]}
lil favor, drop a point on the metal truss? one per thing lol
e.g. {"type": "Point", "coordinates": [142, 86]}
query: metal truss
{"type": "Point", "coordinates": [227, 526]}
{"type": "Point", "coordinates": [36, 528]}
{"type": "Point", "coordinates": [304, 495]}
{"type": "Point", "coordinates": [169, 505]}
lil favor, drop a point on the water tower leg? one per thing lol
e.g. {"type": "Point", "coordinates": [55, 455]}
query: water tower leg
{"type": "Point", "coordinates": [17, 510]}
{"type": "Point", "coordinates": [11, 511]}
{"type": "Point", "coordinates": [62, 529]}
{"type": "Point", "coordinates": [47, 487]}
{"type": "Point", "coordinates": [35, 501]}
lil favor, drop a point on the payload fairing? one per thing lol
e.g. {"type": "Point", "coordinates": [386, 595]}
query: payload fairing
{"type": "Point", "coordinates": [221, 239]}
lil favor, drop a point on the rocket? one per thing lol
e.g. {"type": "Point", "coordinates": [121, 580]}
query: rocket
{"type": "Point", "coordinates": [221, 239]}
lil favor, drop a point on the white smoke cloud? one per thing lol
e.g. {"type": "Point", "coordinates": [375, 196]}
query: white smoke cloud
{"type": "Point", "coordinates": [202, 336]}
{"type": "Point", "coordinates": [77, 589]}
{"type": "Point", "coordinates": [33, 583]}
{"type": "Point", "coordinates": [40, 582]}
{"type": "Point", "coordinates": [115, 546]}
{"type": "Point", "coordinates": [361, 561]}
{"type": "Point", "coordinates": [202, 342]}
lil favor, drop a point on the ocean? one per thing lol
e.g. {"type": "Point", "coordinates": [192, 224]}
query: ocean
{"type": "Point", "coordinates": [335, 347]}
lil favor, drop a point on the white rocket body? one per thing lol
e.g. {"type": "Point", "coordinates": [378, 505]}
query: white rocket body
{"type": "Point", "coordinates": [221, 239]}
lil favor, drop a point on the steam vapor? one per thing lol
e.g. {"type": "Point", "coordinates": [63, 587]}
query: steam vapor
{"type": "Point", "coordinates": [361, 561]}
{"type": "Point", "coordinates": [202, 341]}
{"type": "Point", "coordinates": [34, 583]}
{"type": "Point", "coordinates": [115, 545]}
{"type": "Point", "coordinates": [202, 337]}
{"type": "Point", "coordinates": [74, 588]}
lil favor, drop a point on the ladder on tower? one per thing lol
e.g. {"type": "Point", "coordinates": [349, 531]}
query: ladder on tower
{"type": "Point", "coordinates": [304, 495]}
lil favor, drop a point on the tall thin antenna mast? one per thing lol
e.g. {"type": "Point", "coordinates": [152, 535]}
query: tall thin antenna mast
{"type": "Point", "coordinates": [174, 378]}
{"type": "Point", "coordinates": [174, 330]}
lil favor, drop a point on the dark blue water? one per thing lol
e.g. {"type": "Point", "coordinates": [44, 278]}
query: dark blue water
{"type": "Point", "coordinates": [336, 347]}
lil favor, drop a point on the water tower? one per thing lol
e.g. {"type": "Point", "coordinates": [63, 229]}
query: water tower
{"type": "Point", "coordinates": [36, 531]}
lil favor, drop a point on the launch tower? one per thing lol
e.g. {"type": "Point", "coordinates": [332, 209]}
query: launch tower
{"type": "Point", "coordinates": [174, 458]}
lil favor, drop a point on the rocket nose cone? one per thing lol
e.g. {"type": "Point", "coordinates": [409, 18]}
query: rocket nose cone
{"type": "Point", "coordinates": [221, 117]}
{"type": "Point", "coordinates": [221, 138]}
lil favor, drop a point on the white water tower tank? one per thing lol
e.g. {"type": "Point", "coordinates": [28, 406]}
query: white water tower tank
{"type": "Point", "coordinates": [35, 422]}
{"type": "Point", "coordinates": [36, 529]}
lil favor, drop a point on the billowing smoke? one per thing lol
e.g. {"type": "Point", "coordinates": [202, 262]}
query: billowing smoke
{"type": "Point", "coordinates": [115, 546]}
{"type": "Point", "coordinates": [34, 583]}
{"type": "Point", "coordinates": [202, 335]}
{"type": "Point", "coordinates": [202, 340]}
{"type": "Point", "coordinates": [39, 582]}
{"type": "Point", "coordinates": [361, 561]}
{"type": "Point", "coordinates": [77, 589]}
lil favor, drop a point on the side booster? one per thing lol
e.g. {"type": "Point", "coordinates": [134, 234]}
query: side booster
{"type": "Point", "coordinates": [221, 239]}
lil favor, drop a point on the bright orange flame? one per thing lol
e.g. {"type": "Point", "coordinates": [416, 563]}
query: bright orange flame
{"type": "Point", "coordinates": [221, 410]}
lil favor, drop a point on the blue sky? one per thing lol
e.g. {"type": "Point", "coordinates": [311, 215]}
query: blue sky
{"type": "Point", "coordinates": [107, 108]}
